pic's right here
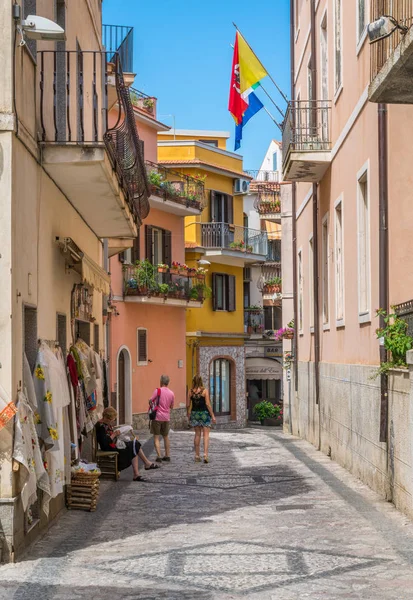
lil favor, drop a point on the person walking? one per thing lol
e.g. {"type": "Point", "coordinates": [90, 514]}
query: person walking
{"type": "Point", "coordinates": [200, 415]}
{"type": "Point", "coordinates": [160, 426]}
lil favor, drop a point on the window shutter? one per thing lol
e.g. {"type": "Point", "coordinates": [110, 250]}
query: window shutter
{"type": "Point", "coordinates": [121, 257]}
{"type": "Point", "coordinates": [230, 209]}
{"type": "Point", "coordinates": [214, 216]}
{"type": "Point", "coordinates": [231, 293]}
{"type": "Point", "coordinates": [214, 291]}
{"type": "Point", "coordinates": [148, 243]}
{"type": "Point", "coordinates": [142, 346]}
{"type": "Point", "coordinates": [167, 247]}
{"type": "Point", "coordinates": [136, 251]}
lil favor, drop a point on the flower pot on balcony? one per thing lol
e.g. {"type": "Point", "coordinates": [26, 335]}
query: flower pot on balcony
{"type": "Point", "coordinates": [183, 272]}
{"type": "Point", "coordinates": [173, 271]}
{"type": "Point", "coordinates": [276, 289]}
{"type": "Point", "coordinates": [162, 270]}
{"type": "Point", "coordinates": [288, 335]}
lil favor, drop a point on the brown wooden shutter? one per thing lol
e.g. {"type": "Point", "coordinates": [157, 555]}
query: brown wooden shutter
{"type": "Point", "coordinates": [167, 247]}
{"type": "Point", "coordinates": [214, 291]}
{"type": "Point", "coordinates": [214, 216]}
{"type": "Point", "coordinates": [230, 209]}
{"type": "Point", "coordinates": [148, 243]}
{"type": "Point", "coordinates": [232, 288]}
{"type": "Point", "coordinates": [142, 346]}
{"type": "Point", "coordinates": [136, 251]}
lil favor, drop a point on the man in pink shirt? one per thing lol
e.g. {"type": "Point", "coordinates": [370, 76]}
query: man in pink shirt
{"type": "Point", "coordinates": [160, 425]}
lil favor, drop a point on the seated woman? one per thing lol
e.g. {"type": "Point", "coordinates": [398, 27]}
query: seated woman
{"type": "Point", "coordinates": [106, 438]}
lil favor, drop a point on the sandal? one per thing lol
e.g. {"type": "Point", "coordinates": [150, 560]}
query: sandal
{"type": "Point", "coordinates": [197, 459]}
{"type": "Point", "coordinates": [153, 466]}
{"type": "Point", "coordinates": [206, 460]}
{"type": "Point", "coordinates": [139, 478]}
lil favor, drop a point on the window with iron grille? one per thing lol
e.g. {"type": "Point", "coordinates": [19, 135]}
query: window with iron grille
{"type": "Point", "coordinates": [142, 343]}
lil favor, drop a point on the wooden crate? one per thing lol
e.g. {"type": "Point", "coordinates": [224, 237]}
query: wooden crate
{"type": "Point", "coordinates": [83, 492]}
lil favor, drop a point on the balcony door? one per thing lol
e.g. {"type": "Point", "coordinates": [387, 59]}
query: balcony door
{"type": "Point", "coordinates": [221, 208]}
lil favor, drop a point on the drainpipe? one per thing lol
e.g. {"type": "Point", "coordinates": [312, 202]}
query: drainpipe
{"type": "Point", "coordinates": [294, 206]}
{"type": "Point", "coordinates": [383, 260]}
{"type": "Point", "coordinates": [314, 117]}
{"type": "Point", "coordinates": [107, 326]}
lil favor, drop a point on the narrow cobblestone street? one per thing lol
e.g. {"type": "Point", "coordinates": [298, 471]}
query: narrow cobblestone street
{"type": "Point", "coordinates": [269, 517]}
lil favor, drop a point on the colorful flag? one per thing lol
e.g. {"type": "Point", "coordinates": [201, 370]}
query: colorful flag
{"type": "Point", "coordinates": [247, 71]}
{"type": "Point", "coordinates": [255, 105]}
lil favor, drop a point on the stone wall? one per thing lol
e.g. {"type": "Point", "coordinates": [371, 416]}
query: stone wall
{"type": "Point", "coordinates": [350, 425]}
{"type": "Point", "coordinates": [179, 420]}
{"type": "Point", "coordinates": [236, 354]}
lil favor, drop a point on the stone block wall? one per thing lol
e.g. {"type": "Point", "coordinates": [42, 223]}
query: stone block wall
{"type": "Point", "coordinates": [179, 420]}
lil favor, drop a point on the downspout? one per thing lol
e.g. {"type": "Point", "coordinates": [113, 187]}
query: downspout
{"type": "Point", "coordinates": [107, 325]}
{"type": "Point", "coordinates": [294, 205]}
{"type": "Point", "coordinates": [314, 117]}
{"type": "Point", "coordinates": [383, 261]}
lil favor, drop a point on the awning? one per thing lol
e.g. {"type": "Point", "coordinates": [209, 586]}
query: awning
{"type": "Point", "coordinates": [91, 272]}
{"type": "Point", "coordinates": [262, 368]}
{"type": "Point", "coordinates": [273, 230]}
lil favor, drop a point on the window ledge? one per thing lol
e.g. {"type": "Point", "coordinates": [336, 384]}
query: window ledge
{"type": "Point", "coordinates": [312, 330]}
{"type": "Point", "coordinates": [326, 327]}
{"type": "Point", "coordinates": [142, 364]}
{"type": "Point", "coordinates": [364, 318]}
{"type": "Point", "coordinates": [361, 41]}
{"type": "Point", "coordinates": [340, 323]}
{"type": "Point", "coordinates": [338, 94]}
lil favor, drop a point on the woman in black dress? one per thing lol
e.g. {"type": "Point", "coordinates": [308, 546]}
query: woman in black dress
{"type": "Point", "coordinates": [106, 438]}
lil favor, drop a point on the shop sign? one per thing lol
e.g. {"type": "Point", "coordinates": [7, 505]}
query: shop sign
{"type": "Point", "coordinates": [273, 352]}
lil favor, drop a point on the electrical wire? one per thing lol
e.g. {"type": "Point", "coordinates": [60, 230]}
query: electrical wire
{"type": "Point", "coordinates": [14, 81]}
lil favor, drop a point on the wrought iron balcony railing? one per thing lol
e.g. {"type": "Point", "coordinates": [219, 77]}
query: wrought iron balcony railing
{"type": "Point", "coordinates": [118, 39]}
{"type": "Point", "coordinates": [261, 175]}
{"type": "Point", "coordinates": [233, 237]}
{"type": "Point", "coordinates": [144, 102]}
{"type": "Point", "coordinates": [144, 280]}
{"type": "Point", "coordinates": [380, 51]}
{"type": "Point", "coordinates": [254, 320]}
{"type": "Point", "coordinates": [274, 251]}
{"type": "Point", "coordinates": [306, 127]}
{"type": "Point", "coordinates": [176, 187]}
{"type": "Point", "coordinates": [74, 111]}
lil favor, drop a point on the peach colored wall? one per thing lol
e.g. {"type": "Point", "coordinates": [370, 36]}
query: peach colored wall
{"type": "Point", "coordinates": [166, 345]}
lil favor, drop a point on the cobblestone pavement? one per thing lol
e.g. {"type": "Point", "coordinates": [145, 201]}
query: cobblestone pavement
{"type": "Point", "coordinates": [269, 518]}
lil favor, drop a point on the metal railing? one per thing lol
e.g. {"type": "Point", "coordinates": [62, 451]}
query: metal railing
{"type": "Point", "coordinates": [233, 237]}
{"type": "Point", "coordinates": [274, 251]}
{"type": "Point", "coordinates": [145, 280]}
{"type": "Point", "coordinates": [175, 187]}
{"type": "Point", "coordinates": [306, 127]}
{"type": "Point", "coordinates": [143, 101]}
{"type": "Point", "coordinates": [253, 320]}
{"type": "Point", "coordinates": [402, 11]}
{"type": "Point", "coordinates": [74, 110]}
{"type": "Point", "coordinates": [261, 175]}
{"type": "Point", "coordinates": [118, 39]}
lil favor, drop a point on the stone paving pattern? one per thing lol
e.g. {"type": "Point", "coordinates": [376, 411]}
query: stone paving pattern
{"type": "Point", "coordinates": [269, 518]}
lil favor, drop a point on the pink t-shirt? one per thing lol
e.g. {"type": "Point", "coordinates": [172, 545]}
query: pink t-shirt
{"type": "Point", "coordinates": [166, 402]}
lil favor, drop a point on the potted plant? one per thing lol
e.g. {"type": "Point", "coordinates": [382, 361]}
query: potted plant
{"type": "Point", "coordinates": [145, 277]}
{"type": "Point", "coordinates": [267, 413]}
{"type": "Point", "coordinates": [162, 268]}
{"type": "Point", "coordinates": [155, 178]}
{"type": "Point", "coordinates": [255, 309]}
{"type": "Point", "coordinates": [201, 273]}
{"type": "Point", "coordinates": [183, 270]}
{"type": "Point", "coordinates": [286, 333]}
{"type": "Point", "coordinates": [174, 269]}
{"type": "Point", "coordinates": [396, 341]}
{"type": "Point", "coordinates": [250, 248]}
{"type": "Point", "coordinates": [148, 104]}
{"type": "Point", "coordinates": [191, 272]}
{"type": "Point", "coordinates": [164, 289]}
{"type": "Point", "coordinates": [238, 245]}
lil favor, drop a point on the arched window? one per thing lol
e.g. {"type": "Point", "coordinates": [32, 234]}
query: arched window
{"type": "Point", "coordinates": [220, 386]}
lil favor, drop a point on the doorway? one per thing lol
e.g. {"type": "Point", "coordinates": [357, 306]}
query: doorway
{"type": "Point", "coordinates": [124, 387]}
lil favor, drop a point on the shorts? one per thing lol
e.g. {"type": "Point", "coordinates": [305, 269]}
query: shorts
{"type": "Point", "coordinates": [160, 428]}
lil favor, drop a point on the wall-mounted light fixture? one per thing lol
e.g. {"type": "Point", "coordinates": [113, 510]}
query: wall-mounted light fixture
{"type": "Point", "coordinates": [383, 28]}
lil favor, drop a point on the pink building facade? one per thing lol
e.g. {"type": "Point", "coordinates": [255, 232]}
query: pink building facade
{"type": "Point", "coordinates": [342, 168]}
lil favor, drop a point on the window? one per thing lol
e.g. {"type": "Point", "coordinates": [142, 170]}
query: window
{"type": "Point", "coordinates": [30, 334]}
{"type": "Point", "coordinates": [247, 294]}
{"type": "Point", "coordinates": [300, 291]}
{"type": "Point", "coordinates": [361, 20]}
{"type": "Point", "coordinates": [61, 332]}
{"type": "Point", "coordinates": [274, 161]}
{"type": "Point", "coordinates": [339, 261]}
{"type": "Point", "coordinates": [96, 338]}
{"type": "Point", "coordinates": [338, 42]}
{"type": "Point", "coordinates": [223, 292]}
{"type": "Point", "coordinates": [220, 386]}
{"type": "Point", "coordinates": [142, 343]}
{"type": "Point", "coordinates": [324, 231]}
{"type": "Point", "coordinates": [82, 331]}
{"type": "Point", "coordinates": [221, 208]}
{"type": "Point", "coordinates": [363, 245]}
{"type": "Point", "coordinates": [272, 318]}
{"type": "Point", "coordinates": [311, 281]}
{"type": "Point", "coordinates": [158, 245]}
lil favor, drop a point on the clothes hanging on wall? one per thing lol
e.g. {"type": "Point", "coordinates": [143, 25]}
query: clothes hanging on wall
{"type": "Point", "coordinates": [26, 451]}
{"type": "Point", "coordinates": [7, 408]}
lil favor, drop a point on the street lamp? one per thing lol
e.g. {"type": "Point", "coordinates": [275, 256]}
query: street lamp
{"type": "Point", "coordinates": [383, 28]}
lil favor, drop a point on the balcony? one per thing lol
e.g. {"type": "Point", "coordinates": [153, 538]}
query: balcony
{"type": "Point", "coordinates": [227, 244]}
{"type": "Point", "coordinates": [174, 192]}
{"type": "Point", "coordinates": [143, 102]}
{"type": "Point", "coordinates": [118, 41]}
{"type": "Point", "coordinates": [270, 281]}
{"type": "Point", "coordinates": [391, 59]}
{"type": "Point", "coordinates": [144, 284]}
{"type": "Point", "coordinates": [262, 176]}
{"type": "Point", "coordinates": [268, 202]}
{"type": "Point", "coordinates": [94, 157]}
{"type": "Point", "coordinates": [306, 140]}
{"type": "Point", "coordinates": [255, 324]}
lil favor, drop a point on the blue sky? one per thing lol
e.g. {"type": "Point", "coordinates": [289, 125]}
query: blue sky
{"type": "Point", "coordinates": [182, 55]}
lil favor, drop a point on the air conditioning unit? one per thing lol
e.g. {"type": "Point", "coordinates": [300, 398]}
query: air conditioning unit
{"type": "Point", "coordinates": [241, 186]}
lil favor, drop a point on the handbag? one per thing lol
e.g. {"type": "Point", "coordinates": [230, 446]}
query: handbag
{"type": "Point", "coordinates": [153, 406]}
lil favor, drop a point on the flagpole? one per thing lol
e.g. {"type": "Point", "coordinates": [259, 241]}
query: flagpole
{"type": "Point", "coordinates": [272, 118]}
{"type": "Point", "coordinates": [280, 91]}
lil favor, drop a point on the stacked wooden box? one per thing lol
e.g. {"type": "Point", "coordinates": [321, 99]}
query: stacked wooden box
{"type": "Point", "coordinates": [83, 493]}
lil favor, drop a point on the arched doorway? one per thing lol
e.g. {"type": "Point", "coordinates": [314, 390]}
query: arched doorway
{"type": "Point", "coordinates": [124, 387]}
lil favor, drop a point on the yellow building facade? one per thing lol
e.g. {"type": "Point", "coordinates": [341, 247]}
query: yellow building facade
{"type": "Point", "coordinates": [217, 241]}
